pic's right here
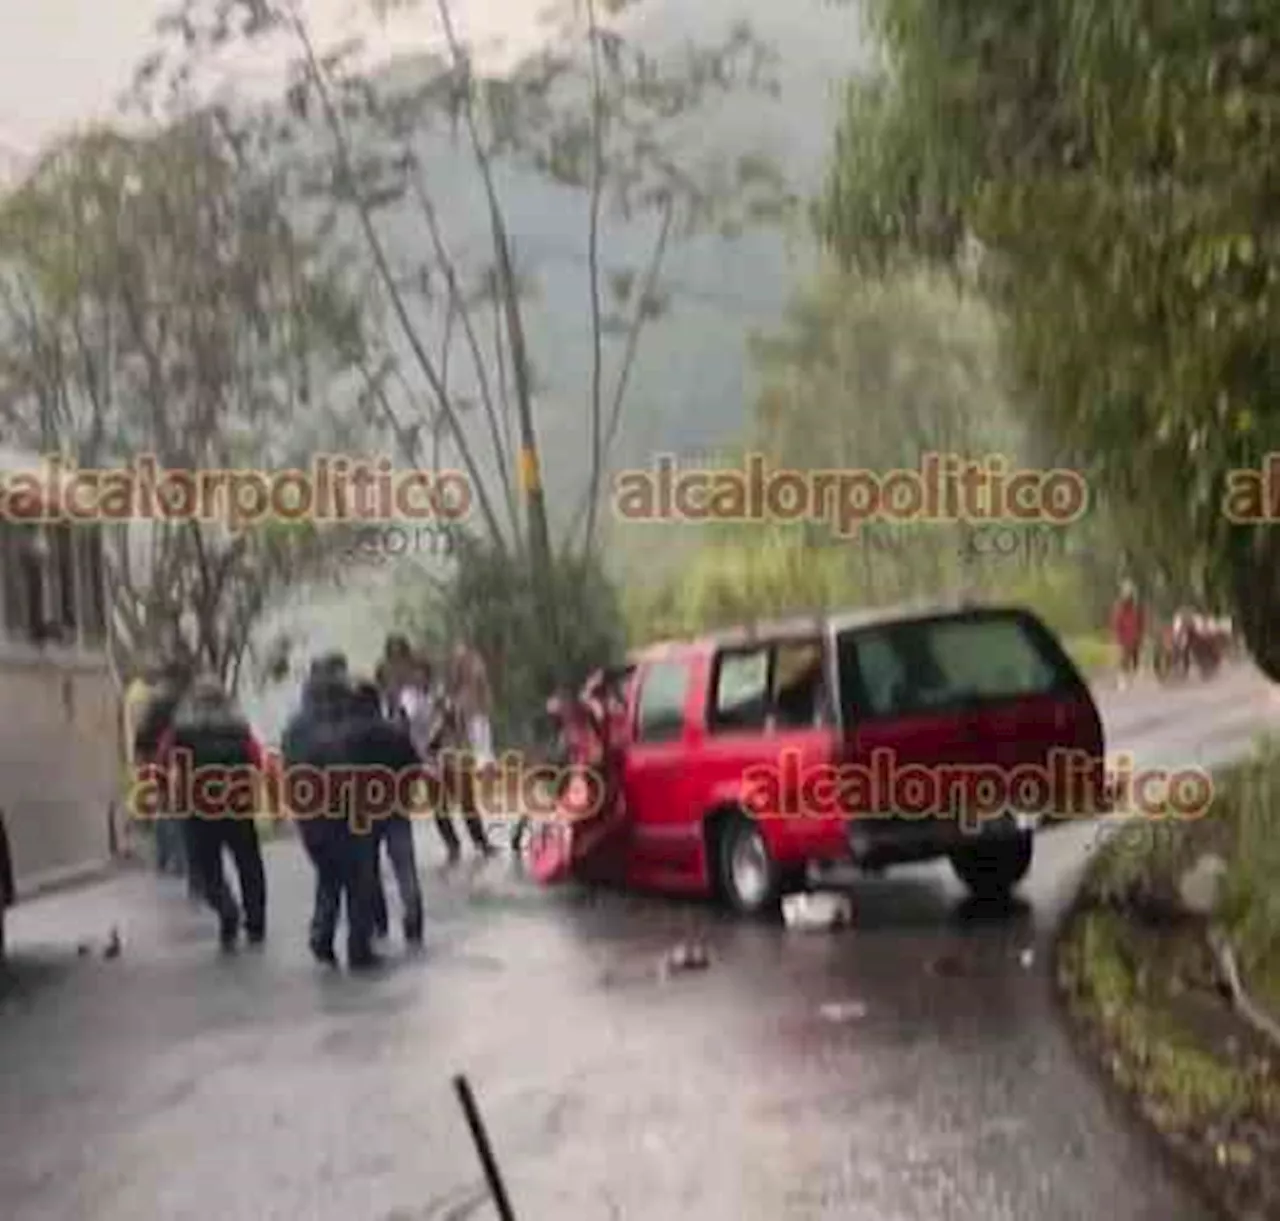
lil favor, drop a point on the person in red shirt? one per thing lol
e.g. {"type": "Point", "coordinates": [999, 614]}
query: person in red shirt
{"type": "Point", "coordinates": [1128, 626]}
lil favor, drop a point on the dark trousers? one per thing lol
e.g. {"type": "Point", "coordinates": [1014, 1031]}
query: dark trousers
{"type": "Point", "coordinates": [397, 833]}
{"type": "Point", "coordinates": [345, 866]}
{"type": "Point", "coordinates": [205, 840]}
{"type": "Point", "coordinates": [459, 789]}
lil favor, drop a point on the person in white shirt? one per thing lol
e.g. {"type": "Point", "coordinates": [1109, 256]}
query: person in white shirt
{"type": "Point", "coordinates": [434, 722]}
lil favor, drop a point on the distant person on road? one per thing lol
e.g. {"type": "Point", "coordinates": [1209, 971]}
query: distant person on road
{"type": "Point", "coordinates": [344, 861]}
{"type": "Point", "coordinates": [1128, 626]}
{"type": "Point", "coordinates": [211, 734]}
{"type": "Point", "coordinates": [373, 741]}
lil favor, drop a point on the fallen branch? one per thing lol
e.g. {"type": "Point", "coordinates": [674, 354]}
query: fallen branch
{"type": "Point", "coordinates": [1248, 1008]}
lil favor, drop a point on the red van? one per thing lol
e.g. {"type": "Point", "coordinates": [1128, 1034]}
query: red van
{"type": "Point", "coordinates": [880, 737]}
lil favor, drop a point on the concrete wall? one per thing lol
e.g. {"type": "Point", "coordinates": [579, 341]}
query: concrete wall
{"type": "Point", "coordinates": [60, 766]}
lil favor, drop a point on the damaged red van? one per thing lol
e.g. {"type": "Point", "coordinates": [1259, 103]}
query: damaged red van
{"type": "Point", "coordinates": [879, 738]}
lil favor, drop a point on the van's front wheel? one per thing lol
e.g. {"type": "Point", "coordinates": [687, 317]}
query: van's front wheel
{"type": "Point", "coordinates": [992, 870]}
{"type": "Point", "coordinates": [750, 879]}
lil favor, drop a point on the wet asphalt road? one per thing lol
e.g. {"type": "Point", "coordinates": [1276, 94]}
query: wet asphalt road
{"type": "Point", "coordinates": [172, 1084]}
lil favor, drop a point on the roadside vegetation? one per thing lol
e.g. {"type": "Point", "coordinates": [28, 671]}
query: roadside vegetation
{"type": "Point", "coordinates": [1102, 177]}
{"type": "Point", "coordinates": [1142, 970]}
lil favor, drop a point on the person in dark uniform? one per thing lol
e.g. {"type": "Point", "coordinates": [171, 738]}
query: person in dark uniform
{"type": "Point", "coordinates": [373, 741]}
{"type": "Point", "coordinates": [318, 739]}
{"type": "Point", "coordinates": [209, 731]}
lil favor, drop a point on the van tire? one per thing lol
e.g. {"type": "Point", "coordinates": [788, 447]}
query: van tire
{"type": "Point", "coordinates": [992, 871]}
{"type": "Point", "coordinates": [748, 877]}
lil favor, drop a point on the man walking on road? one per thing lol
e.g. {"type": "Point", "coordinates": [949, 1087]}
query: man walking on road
{"type": "Point", "coordinates": [374, 742]}
{"type": "Point", "coordinates": [469, 758]}
{"type": "Point", "coordinates": [211, 734]}
{"type": "Point", "coordinates": [317, 740]}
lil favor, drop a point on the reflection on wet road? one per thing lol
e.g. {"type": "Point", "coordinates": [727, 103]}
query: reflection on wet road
{"type": "Point", "coordinates": [909, 1068]}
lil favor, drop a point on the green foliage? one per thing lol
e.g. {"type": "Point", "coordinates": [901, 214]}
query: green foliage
{"type": "Point", "coordinates": [1116, 167]}
{"type": "Point", "coordinates": [491, 602]}
{"type": "Point", "coordinates": [872, 374]}
{"type": "Point", "coordinates": [765, 576]}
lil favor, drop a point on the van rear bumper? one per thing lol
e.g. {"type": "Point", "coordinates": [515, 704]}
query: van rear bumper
{"type": "Point", "coordinates": [875, 843]}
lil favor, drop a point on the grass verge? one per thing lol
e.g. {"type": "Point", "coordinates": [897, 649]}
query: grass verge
{"type": "Point", "coordinates": [1093, 654]}
{"type": "Point", "coordinates": [1142, 986]}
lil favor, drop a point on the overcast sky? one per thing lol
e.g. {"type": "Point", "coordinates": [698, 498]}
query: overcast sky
{"type": "Point", "coordinates": [63, 61]}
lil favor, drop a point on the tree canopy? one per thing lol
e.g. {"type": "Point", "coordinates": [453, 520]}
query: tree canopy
{"type": "Point", "coordinates": [1114, 170]}
{"type": "Point", "coordinates": [155, 302]}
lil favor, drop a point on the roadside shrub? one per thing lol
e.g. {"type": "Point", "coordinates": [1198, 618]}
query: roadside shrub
{"type": "Point", "coordinates": [491, 602]}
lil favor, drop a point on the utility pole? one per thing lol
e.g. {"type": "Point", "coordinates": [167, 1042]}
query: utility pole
{"type": "Point", "coordinates": [541, 559]}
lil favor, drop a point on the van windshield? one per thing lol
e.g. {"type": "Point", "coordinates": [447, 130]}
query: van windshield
{"type": "Point", "coordinates": [927, 665]}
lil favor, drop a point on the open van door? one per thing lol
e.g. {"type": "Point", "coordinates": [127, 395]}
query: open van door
{"type": "Point", "coordinates": [590, 828]}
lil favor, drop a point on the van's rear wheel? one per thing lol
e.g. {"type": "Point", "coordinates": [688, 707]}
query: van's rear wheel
{"type": "Point", "coordinates": [749, 877]}
{"type": "Point", "coordinates": [992, 870]}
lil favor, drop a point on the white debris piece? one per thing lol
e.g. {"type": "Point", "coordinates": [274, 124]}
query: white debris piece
{"type": "Point", "coordinates": [685, 956]}
{"type": "Point", "coordinates": [817, 913]}
{"type": "Point", "coordinates": [843, 1011]}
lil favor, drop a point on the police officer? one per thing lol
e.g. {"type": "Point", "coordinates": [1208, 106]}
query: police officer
{"type": "Point", "coordinates": [212, 734]}
{"type": "Point", "coordinates": [316, 741]}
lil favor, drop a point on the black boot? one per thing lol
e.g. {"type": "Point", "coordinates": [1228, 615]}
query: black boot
{"type": "Point", "coordinates": [323, 954]}
{"type": "Point", "coordinates": [229, 930]}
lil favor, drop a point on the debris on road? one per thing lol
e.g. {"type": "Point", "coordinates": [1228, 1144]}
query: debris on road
{"type": "Point", "coordinates": [817, 913]}
{"type": "Point", "coordinates": [685, 956]}
{"type": "Point", "coordinates": [1027, 958]}
{"type": "Point", "coordinates": [113, 944]}
{"type": "Point", "coordinates": [946, 965]}
{"type": "Point", "coordinates": [843, 1011]}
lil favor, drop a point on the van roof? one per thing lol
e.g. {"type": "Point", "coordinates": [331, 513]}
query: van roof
{"type": "Point", "coordinates": [808, 625]}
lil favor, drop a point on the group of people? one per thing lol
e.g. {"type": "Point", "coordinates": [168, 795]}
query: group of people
{"type": "Point", "coordinates": [399, 721]}
{"type": "Point", "coordinates": [1186, 637]}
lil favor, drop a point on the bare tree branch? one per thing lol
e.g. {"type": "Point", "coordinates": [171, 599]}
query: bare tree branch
{"type": "Point", "coordinates": [378, 252]}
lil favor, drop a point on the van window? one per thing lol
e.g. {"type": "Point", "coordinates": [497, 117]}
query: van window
{"type": "Point", "coordinates": [799, 685]}
{"type": "Point", "coordinates": [660, 716]}
{"type": "Point", "coordinates": [740, 695]}
{"type": "Point", "coordinates": [924, 665]}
